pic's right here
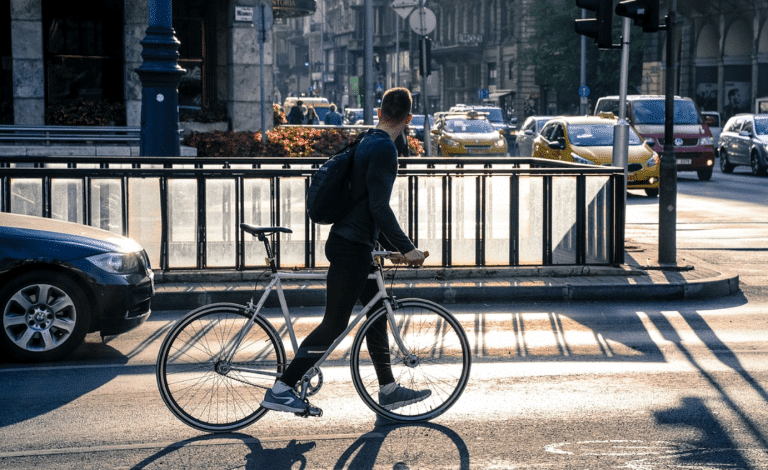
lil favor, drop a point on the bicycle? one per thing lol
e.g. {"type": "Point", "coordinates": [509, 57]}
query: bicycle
{"type": "Point", "coordinates": [217, 361]}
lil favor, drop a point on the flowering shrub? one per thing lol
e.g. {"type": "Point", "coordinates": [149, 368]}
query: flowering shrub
{"type": "Point", "coordinates": [81, 113]}
{"type": "Point", "coordinates": [281, 142]}
{"type": "Point", "coordinates": [294, 141]}
{"type": "Point", "coordinates": [278, 116]}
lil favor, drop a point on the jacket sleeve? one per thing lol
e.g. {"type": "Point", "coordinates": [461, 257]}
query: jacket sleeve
{"type": "Point", "coordinates": [380, 179]}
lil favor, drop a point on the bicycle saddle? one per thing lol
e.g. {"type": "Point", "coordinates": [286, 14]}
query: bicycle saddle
{"type": "Point", "coordinates": [254, 230]}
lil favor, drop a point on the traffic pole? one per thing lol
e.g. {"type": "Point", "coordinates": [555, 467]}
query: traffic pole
{"type": "Point", "coordinates": [668, 166]}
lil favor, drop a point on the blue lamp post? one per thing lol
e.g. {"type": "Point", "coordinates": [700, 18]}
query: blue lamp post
{"type": "Point", "coordinates": [160, 75]}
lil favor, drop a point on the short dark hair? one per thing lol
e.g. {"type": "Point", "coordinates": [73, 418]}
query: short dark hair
{"type": "Point", "coordinates": [396, 104]}
{"type": "Point", "coordinates": [299, 103]}
{"type": "Point", "coordinates": [332, 107]}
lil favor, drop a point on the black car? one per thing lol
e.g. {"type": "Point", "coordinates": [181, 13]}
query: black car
{"type": "Point", "coordinates": [416, 126]}
{"type": "Point", "coordinates": [744, 141]}
{"type": "Point", "coordinates": [60, 281]}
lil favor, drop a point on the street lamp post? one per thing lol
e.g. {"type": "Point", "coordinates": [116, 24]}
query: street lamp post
{"type": "Point", "coordinates": [160, 75]}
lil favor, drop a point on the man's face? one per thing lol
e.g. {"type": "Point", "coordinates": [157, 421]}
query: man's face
{"type": "Point", "coordinates": [736, 97]}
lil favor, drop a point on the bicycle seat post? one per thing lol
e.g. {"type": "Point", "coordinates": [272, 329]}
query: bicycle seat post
{"type": "Point", "coordinates": [270, 257]}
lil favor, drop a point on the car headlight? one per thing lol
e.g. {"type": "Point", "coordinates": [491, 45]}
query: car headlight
{"type": "Point", "coordinates": [653, 161]}
{"type": "Point", "coordinates": [706, 141]}
{"type": "Point", "coordinates": [450, 142]}
{"type": "Point", "coordinates": [500, 143]}
{"type": "Point", "coordinates": [582, 160]}
{"type": "Point", "coordinates": [118, 263]}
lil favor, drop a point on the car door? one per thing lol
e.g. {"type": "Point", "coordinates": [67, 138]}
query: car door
{"type": "Point", "coordinates": [524, 138]}
{"type": "Point", "coordinates": [731, 140]}
{"type": "Point", "coordinates": [744, 142]}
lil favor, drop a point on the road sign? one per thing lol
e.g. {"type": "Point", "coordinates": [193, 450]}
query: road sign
{"type": "Point", "coordinates": [423, 21]}
{"type": "Point", "coordinates": [404, 7]}
{"type": "Point", "coordinates": [584, 91]}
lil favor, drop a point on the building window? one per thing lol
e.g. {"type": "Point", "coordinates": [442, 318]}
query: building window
{"type": "Point", "coordinates": [83, 54]}
{"type": "Point", "coordinates": [194, 24]}
{"type": "Point", "coordinates": [492, 74]}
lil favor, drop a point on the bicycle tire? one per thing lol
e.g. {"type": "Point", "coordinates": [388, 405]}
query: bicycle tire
{"type": "Point", "coordinates": [198, 387]}
{"type": "Point", "coordinates": [439, 361]}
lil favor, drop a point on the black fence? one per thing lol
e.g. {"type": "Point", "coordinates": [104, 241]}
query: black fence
{"type": "Point", "coordinates": [467, 212]}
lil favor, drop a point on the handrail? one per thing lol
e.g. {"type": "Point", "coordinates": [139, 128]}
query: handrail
{"type": "Point", "coordinates": [575, 212]}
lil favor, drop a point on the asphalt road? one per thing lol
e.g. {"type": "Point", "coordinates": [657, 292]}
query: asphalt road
{"type": "Point", "coordinates": [580, 385]}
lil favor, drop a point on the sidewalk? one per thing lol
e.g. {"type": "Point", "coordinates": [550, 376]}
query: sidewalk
{"type": "Point", "coordinates": [637, 279]}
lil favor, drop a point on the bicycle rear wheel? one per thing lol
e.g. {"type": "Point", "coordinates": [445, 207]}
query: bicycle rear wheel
{"type": "Point", "coordinates": [436, 358]}
{"type": "Point", "coordinates": [196, 382]}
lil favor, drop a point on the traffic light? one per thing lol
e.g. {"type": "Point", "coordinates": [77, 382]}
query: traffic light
{"type": "Point", "coordinates": [644, 12]}
{"type": "Point", "coordinates": [428, 56]}
{"type": "Point", "coordinates": [599, 27]}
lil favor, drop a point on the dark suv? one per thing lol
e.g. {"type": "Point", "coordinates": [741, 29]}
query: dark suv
{"type": "Point", "coordinates": [744, 141]}
{"type": "Point", "coordinates": [693, 144]}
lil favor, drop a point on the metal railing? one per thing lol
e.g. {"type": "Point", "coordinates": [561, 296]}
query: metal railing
{"type": "Point", "coordinates": [185, 211]}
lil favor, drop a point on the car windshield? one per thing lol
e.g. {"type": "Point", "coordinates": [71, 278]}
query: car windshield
{"type": "Point", "coordinates": [468, 125]}
{"type": "Point", "coordinates": [418, 120]}
{"type": "Point", "coordinates": [596, 135]}
{"type": "Point", "coordinates": [761, 126]}
{"type": "Point", "coordinates": [652, 112]}
{"type": "Point", "coordinates": [494, 114]}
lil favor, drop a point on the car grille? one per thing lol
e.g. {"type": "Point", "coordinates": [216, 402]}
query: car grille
{"type": "Point", "coordinates": [687, 142]}
{"type": "Point", "coordinates": [633, 167]}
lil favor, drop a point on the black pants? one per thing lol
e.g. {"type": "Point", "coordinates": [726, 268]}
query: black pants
{"type": "Point", "coordinates": [347, 282]}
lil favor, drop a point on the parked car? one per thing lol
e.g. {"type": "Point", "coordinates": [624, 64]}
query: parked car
{"type": "Point", "coordinates": [589, 140]}
{"type": "Point", "coordinates": [352, 115]}
{"type": "Point", "coordinates": [416, 126]}
{"type": "Point", "coordinates": [467, 134]}
{"type": "Point", "coordinates": [60, 281]}
{"type": "Point", "coordinates": [713, 120]}
{"type": "Point", "coordinates": [523, 146]}
{"type": "Point", "coordinates": [693, 145]}
{"type": "Point", "coordinates": [744, 141]}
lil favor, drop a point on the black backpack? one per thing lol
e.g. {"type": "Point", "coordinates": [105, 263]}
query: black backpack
{"type": "Point", "coordinates": [329, 197]}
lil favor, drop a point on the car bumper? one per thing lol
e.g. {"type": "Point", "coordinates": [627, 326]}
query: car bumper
{"type": "Point", "coordinates": [123, 307]}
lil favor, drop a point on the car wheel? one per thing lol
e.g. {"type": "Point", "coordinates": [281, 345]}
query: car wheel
{"type": "Point", "coordinates": [652, 192]}
{"type": "Point", "coordinates": [757, 167]}
{"type": "Point", "coordinates": [725, 166]}
{"type": "Point", "coordinates": [45, 316]}
{"type": "Point", "coordinates": [705, 174]}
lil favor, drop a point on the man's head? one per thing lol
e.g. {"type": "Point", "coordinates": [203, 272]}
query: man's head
{"type": "Point", "coordinates": [299, 103]}
{"type": "Point", "coordinates": [332, 108]}
{"type": "Point", "coordinates": [734, 95]}
{"type": "Point", "coordinates": [395, 106]}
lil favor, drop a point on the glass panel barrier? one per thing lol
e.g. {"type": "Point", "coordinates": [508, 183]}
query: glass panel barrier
{"type": "Point", "coordinates": [182, 223]}
{"type": "Point", "coordinates": [220, 222]}
{"type": "Point", "coordinates": [430, 212]}
{"type": "Point", "coordinates": [27, 196]}
{"type": "Point", "coordinates": [257, 208]}
{"type": "Point", "coordinates": [530, 231]}
{"type": "Point", "coordinates": [564, 220]}
{"type": "Point", "coordinates": [144, 218]}
{"type": "Point", "coordinates": [67, 200]}
{"type": "Point", "coordinates": [497, 222]}
{"type": "Point", "coordinates": [598, 219]}
{"type": "Point", "coordinates": [107, 205]}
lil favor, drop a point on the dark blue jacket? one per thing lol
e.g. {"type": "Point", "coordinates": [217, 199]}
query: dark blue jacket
{"type": "Point", "coordinates": [373, 176]}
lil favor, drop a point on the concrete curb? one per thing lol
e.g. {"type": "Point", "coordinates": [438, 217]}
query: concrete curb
{"type": "Point", "coordinates": [464, 290]}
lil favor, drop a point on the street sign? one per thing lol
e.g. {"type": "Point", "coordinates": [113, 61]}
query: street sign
{"type": "Point", "coordinates": [584, 91]}
{"type": "Point", "coordinates": [404, 7]}
{"type": "Point", "coordinates": [423, 21]}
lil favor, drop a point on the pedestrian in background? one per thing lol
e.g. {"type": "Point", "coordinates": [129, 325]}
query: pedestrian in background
{"type": "Point", "coordinates": [295, 116]}
{"type": "Point", "coordinates": [312, 116]}
{"type": "Point", "coordinates": [332, 118]}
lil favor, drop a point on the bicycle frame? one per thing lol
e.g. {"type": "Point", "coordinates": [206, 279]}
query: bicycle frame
{"type": "Point", "coordinates": [276, 284]}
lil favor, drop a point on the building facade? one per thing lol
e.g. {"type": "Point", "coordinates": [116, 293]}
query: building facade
{"type": "Point", "coordinates": [55, 55]}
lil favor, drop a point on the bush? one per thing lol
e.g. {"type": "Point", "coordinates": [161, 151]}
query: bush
{"type": "Point", "coordinates": [281, 142]}
{"type": "Point", "coordinates": [81, 113]}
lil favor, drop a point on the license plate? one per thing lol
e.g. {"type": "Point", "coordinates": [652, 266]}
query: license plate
{"type": "Point", "coordinates": [683, 161]}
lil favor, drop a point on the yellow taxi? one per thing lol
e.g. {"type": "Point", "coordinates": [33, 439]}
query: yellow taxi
{"type": "Point", "coordinates": [589, 140]}
{"type": "Point", "coordinates": [467, 133]}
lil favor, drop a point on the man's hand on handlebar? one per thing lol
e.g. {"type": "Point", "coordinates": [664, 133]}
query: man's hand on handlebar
{"type": "Point", "coordinates": [413, 258]}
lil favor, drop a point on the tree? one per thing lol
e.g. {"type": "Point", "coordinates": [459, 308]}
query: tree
{"type": "Point", "coordinates": [554, 52]}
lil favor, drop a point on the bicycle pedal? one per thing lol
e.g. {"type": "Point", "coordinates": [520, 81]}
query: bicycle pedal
{"type": "Point", "coordinates": [310, 410]}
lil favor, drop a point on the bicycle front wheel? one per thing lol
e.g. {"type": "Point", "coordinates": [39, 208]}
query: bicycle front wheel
{"type": "Point", "coordinates": [431, 357]}
{"type": "Point", "coordinates": [197, 382]}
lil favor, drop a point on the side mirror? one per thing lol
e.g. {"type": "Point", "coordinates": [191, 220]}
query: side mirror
{"type": "Point", "coordinates": [502, 131]}
{"type": "Point", "coordinates": [557, 145]}
{"type": "Point", "coordinates": [528, 132]}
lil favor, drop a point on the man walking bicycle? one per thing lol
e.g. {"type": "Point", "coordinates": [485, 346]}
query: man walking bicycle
{"type": "Point", "coordinates": [348, 249]}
